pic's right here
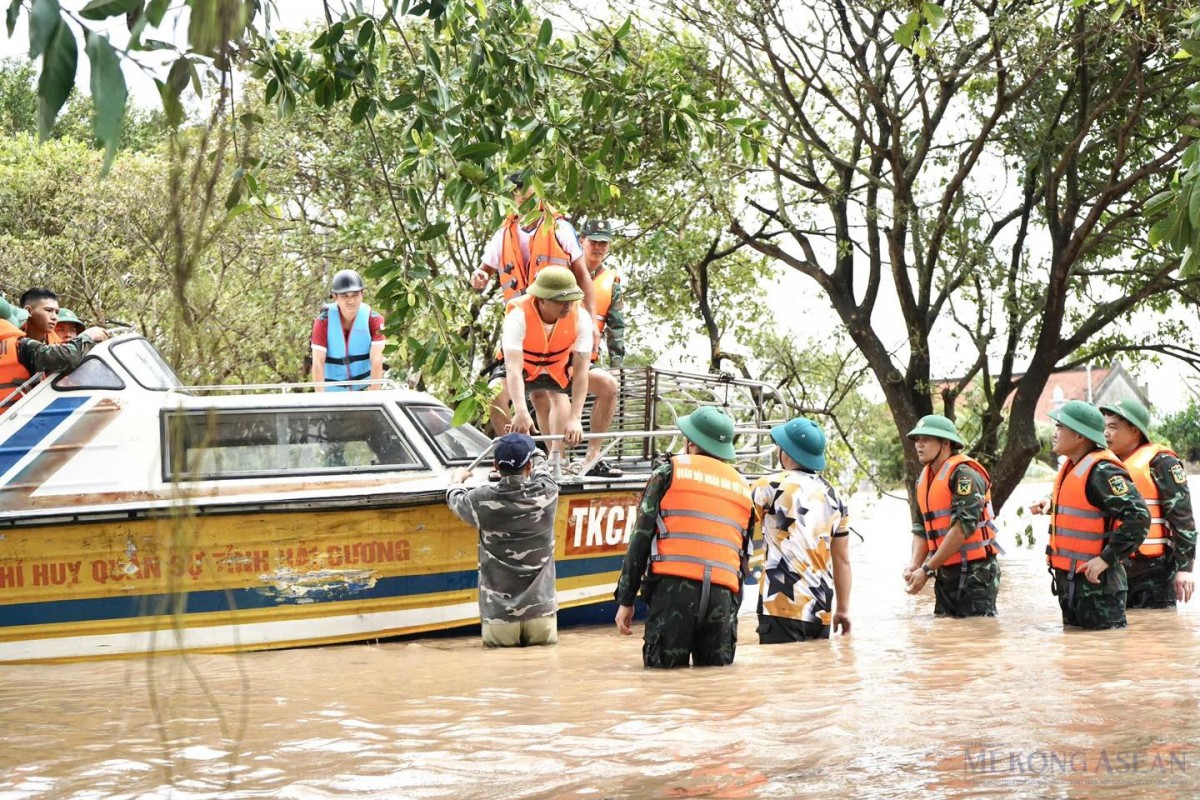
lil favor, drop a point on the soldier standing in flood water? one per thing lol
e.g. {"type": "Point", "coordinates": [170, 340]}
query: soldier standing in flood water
{"type": "Point", "coordinates": [1160, 570]}
{"type": "Point", "coordinates": [1098, 519]}
{"type": "Point", "coordinates": [955, 541]}
{"type": "Point", "coordinates": [691, 544]}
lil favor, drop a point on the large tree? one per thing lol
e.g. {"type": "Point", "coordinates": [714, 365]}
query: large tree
{"type": "Point", "coordinates": [970, 206]}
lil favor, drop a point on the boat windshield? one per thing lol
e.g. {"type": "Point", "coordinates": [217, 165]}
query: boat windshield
{"type": "Point", "coordinates": [146, 366]}
{"type": "Point", "coordinates": [460, 444]}
{"type": "Point", "coordinates": [241, 443]}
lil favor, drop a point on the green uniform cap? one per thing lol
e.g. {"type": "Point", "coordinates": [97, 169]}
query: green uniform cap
{"type": "Point", "coordinates": [1083, 418]}
{"type": "Point", "coordinates": [68, 316]}
{"type": "Point", "coordinates": [803, 440]}
{"type": "Point", "coordinates": [1132, 412]}
{"type": "Point", "coordinates": [937, 426]}
{"type": "Point", "coordinates": [556, 283]}
{"type": "Point", "coordinates": [710, 429]}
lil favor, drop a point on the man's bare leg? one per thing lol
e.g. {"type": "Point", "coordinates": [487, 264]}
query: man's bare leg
{"type": "Point", "coordinates": [559, 411]}
{"type": "Point", "coordinates": [603, 385]}
{"type": "Point", "coordinates": [499, 415]}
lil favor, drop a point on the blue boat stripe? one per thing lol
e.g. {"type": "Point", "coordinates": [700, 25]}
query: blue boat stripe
{"type": "Point", "coordinates": [224, 600]}
{"type": "Point", "coordinates": [37, 428]}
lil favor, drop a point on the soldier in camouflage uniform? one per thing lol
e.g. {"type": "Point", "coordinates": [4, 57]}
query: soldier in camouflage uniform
{"type": "Point", "coordinates": [21, 357]}
{"type": "Point", "coordinates": [688, 618]}
{"type": "Point", "coordinates": [518, 601]}
{"type": "Point", "coordinates": [1160, 571]}
{"type": "Point", "coordinates": [962, 534]}
{"type": "Point", "coordinates": [1095, 504]}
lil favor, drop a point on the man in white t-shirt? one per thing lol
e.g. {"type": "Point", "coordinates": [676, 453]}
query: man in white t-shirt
{"type": "Point", "coordinates": [547, 344]}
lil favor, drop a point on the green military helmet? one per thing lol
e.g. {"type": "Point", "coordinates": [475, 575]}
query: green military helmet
{"type": "Point", "coordinates": [1083, 418]}
{"type": "Point", "coordinates": [711, 430]}
{"type": "Point", "coordinates": [937, 426]}
{"type": "Point", "coordinates": [803, 440]}
{"type": "Point", "coordinates": [20, 317]}
{"type": "Point", "coordinates": [1132, 412]}
{"type": "Point", "coordinates": [7, 310]}
{"type": "Point", "coordinates": [556, 283]}
{"type": "Point", "coordinates": [66, 315]}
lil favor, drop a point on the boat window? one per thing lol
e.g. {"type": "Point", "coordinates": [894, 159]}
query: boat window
{"type": "Point", "coordinates": [240, 443]}
{"type": "Point", "coordinates": [462, 443]}
{"type": "Point", "coordinates": [92, 373]}
{"type": "Point", "coordinates": [145, 365]}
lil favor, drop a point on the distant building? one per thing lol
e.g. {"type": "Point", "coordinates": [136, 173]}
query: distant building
{"type": "Point", "coordinates": [1096, 385]}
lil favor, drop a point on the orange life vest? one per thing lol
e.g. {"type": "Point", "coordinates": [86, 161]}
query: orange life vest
{"type": "Point", "coordinates": [934, 496]}
{"type": "Point", "coordinates": [603, 283]}
{"type": "Point", "coordinates": [12, 372]}
{"type": "Point", "coordinates": [1158, 539]}
{"type": "Point", "coordinates": [701, 523]}
{"type": "Point", "coordinates": [1078, 529]}
{"type": "Point", "coordinates": [544, 251]}
{"type": "Point", "coordinates": [546, 354]}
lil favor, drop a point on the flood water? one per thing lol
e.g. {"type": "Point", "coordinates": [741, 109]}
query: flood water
{"type": "Point", "coordinates": [905, 706]}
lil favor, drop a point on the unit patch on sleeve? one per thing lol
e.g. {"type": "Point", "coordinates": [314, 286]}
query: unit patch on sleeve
{"type": "Point", "coordinates": [963, 487]}
{"type": "Point", "coordinates": [1118, 485]}
{"type": "Point", "coordinates": [1178, 474]}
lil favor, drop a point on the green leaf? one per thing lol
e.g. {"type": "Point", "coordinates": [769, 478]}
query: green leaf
{"type": "Point", "coordinates": [103, 9]}
{"type": "Point", "coordinates": [465, 411]}
{"type": "Point", "coordinates": [439, 360]}
{"type": "Point", "coordinates": [433, 231]}
{"type": "Point", "coordinates": [933, 14]}
{"type": "Point", "coordinates": [400, 102]}
{"type": "Point", "coordinates": [1158, 231]}
{"type": "Point", "coordinates": [155, 11]}
{"type": "Point", "coordinates": [44, 19]}
{"type": "Point", "coordinates": [57, 78]}
{"type": "Point", "coordinates": [623, 31]}
{"type": "Point", "coordinates": [1194, 207]}
{"type": "Point", "coordinates": [360, 109]}
{"type": "Point", "coordinates": [479, 151]}
{"type": "Point", "coordinates": [1191, 47]}
{"type": "Point", "coordinates": [109, 94]}
{"type": "Point", "coordinates": [545, 33]}
{"type": "Point", "coordinates": [172, 108]}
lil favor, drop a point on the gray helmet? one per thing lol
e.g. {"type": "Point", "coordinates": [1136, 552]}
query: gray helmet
{"type": "Point", "coordinates": [347, 281]}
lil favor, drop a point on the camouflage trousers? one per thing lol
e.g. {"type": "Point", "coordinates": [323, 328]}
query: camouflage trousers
{"type": "Point", "coordinates": [1151, 582]}
{"type": "Point", "coordinates": [1092, 606]}
{"type": "Point", "coordinates": [967, 590]}
{"type": "Point", "coordinates": [674, 632]}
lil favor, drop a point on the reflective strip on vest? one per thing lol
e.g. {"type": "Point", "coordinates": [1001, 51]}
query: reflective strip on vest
{"type": "Point", "coordinates": [934, 498]}
{"type": "Point", "coordinates": [1158, 537]}
{"type": "Point", "coordinates": [544, 251]}
{"type": "Point", "coordinates": [1078, 529]}
{"type": "Point", "coordinates": [341, 365]}
{"type": "Point", "coordinates": [698, 533]}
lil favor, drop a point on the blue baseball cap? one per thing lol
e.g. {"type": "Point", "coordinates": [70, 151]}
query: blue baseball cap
{"type": "Point", "coordinates": [513, 451]}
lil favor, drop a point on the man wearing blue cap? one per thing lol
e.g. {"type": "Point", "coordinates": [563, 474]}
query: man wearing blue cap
{"type": "Point", "coordinates": [689, 550]}
{"type": "Point", "coordinates": [518, 603]}
{"type": "Point", "coordinates": [806, 533]}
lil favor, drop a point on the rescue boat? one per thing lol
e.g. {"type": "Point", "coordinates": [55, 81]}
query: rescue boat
{"type": "Point", "coordinates": [140, 516]}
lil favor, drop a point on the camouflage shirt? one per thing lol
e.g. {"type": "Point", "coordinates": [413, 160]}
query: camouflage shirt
{"type": "Point", "coordinates": [967, 490]}
{"type": "Point", "coordinates": [515, 518]}
{"type": "Point", "coordinates": [637, 557]}
{"type": "Point", "coordinates": [614, 327]}
{"type": "Point", "coordinates": [1169, 476]}
{"type": "Point", "coordinates": [1110, 489]}
{"type": "Point", "coordinates": [38, 356]}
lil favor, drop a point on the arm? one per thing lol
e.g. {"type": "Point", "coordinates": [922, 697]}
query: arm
{"type": "Point", "coordinates": [920, 549]}
{"type": "Point", "coordinates": [1171, 479]}
{"type": "Point", "coordinates": [573, 433]}
{"type": "Point", "coordinates": [37, 356]}
{"type": "Point", "coordinates": [614, 330]}
{"type": "Point", "coordinates": [584, 279]}
{"type": "Point", "coordinates": [638, 554]}
{"type": "Point", "coordinates": [1111, 490]}
{"type": "Point", "coordinates": [840, 549]}
{"type": "Point", "coordinates": [318, 368]}
{"type": "Point", "coordinates": [514, 381]}
{"type": "Point", "coordinates": [376, 366]}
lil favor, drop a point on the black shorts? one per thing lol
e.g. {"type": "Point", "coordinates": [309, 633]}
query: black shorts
{"type": "Point", "coordinates": [544, 383]}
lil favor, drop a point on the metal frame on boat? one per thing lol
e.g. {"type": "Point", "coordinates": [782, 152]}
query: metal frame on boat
{"type": "Point", "coordinates": [139, 516]}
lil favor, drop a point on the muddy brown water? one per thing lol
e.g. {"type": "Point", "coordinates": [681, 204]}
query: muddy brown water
{"type": "Point", "coordinates": [905, 706]}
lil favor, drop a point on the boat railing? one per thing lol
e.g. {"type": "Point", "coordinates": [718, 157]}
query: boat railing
{"type": "Point", "coordinates": [22, 390]}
